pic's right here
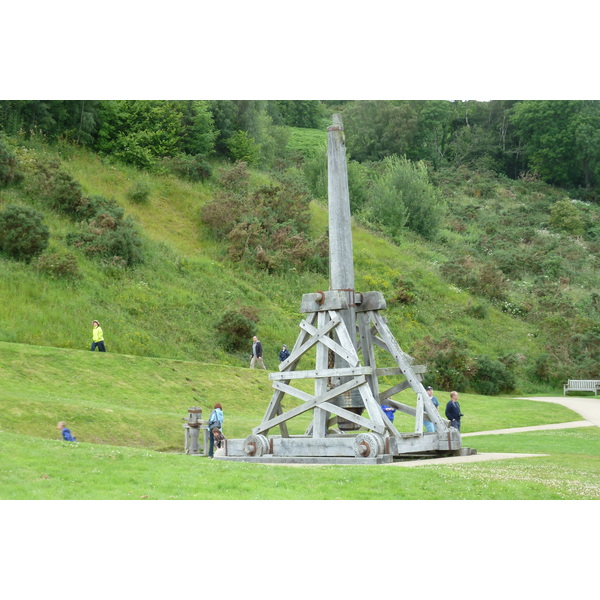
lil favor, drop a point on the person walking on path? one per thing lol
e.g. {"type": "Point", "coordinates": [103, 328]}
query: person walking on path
{"type": "Point", "coordinates": [66, 432]}
{"type": "Point", "coordinates": [215, 422]}
{"type": "Point", "coordinates": [97, 337]}
{"type": "Point", "coordinates": [429, 426]}
{"type": "Point", "coordinates": [453, 411]}
{"type": "Point", "coordinates": [284, 353]}
{"type": "Point", "coordinates": [257, 353]}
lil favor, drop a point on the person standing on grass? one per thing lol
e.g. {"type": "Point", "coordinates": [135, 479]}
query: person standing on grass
{"type": "Point", "coordinates": [97, 337]}
{"type": "Point", "coordinates": [453, 411]}
{"type": "Point", "coordinates": [215, 423]}
{"type": "Point", "coordinates": [257, 353]}
{"type": "Point", "coordinates": [429, 426]}
{"type": "Point", "coordinates": [66, 432]}
{"type": "Point", "coordinates": [284, 353]}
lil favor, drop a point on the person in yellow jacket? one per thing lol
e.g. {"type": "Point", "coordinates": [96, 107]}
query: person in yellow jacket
{"type": "Point", "coordinates": [97, 337]}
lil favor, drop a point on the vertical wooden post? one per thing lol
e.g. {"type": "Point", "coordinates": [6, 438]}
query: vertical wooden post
{"type": "Point", "coordinates": [320, 415]}
{"type": "Point", "coordinates": [341, 262]}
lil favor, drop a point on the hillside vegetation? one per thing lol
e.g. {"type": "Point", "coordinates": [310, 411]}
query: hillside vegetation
{"type": "Point", "coordinates": [186, 227]}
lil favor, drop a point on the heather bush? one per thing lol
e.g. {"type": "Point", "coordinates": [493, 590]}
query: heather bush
{"type": "Point", "coordinates": [564, 216]}
{"type": "Point", "coordinates": [490, 377]}
{"type": "Point", "coordinates": [192, 168]}
{"type": "Point", "coordinates": [449, 366]}
{"type": "Point", "coordinates": [58, 265]}
{"type": "Point", "coordinates": [265, 226]}
{"type": "Point", "coordinates": [236, 327]}
{"type": "Point", "coordinates": [10, 170]}
{"type": "Point", "coordinates": [109, 235]}
{"type": "Point", "coordinates": [23, 234]}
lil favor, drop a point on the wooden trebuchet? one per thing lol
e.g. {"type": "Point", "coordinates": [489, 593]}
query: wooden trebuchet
{"type": "Point", "coordinates": [340, 338]}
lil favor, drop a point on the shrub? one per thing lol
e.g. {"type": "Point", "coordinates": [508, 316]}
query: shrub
{"type": "Point", "coordinates": [265, 226]}
{"type": "Point", "coordinates": [491, 377]}
{"type": "Point", "coordinates": [447, 360]}
{"type": "Point", "coordinates": [236, 327]}
{"type": "Point", "coordinates": [63, 193]}
{"type": "Point", "coordinates": [58, 265]}
{"type": "Point", "coordinates": [23, 234]}
{"type": "Point", "coordinates": [192, 168]}
{"type": "Point", "coordinates": [110, 235]}
{"type": "Point", "coordinates": [404, 197]}
{"type": "Point", "coordinates": [9, 165]}
{"type": "Point", "coordinates": [139, 193]}
{"type": "Point", "coordinates": [564, 216]}
{"type": "Point", "coordinates": [243, 148]}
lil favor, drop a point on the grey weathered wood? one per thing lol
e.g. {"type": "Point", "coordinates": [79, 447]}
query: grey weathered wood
{"type": "Point", "coordinates": [330, 446]}
{"type": "Point", "coordinates": [310, 401]}
{"type": "Point", "coordinates": [390, 371]}
{"type": "Point", "coordinates": [320, 416]}
{"type": "Point", "coordinates": [371, 301]}
{"type": "Point", "coordinates": [409, 410]}
{"type": "Point", "coordinates": [368, 351]}
{"type": "Point", "coordinates": [393, 390]}
{"type": "Point", "coordinates": [419, 412]}
{"type": "Point", "coordinates": [323, 301]}
{"type": "Point", "coordinates": [347, 354]}
{"type": "Point", "coordinates": [354, 418]}
{"type": "Point", "coordinates": [403, 361]}
{"type": "Point", "coordinates": [321, 374]}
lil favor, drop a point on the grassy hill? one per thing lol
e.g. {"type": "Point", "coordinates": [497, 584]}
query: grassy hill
{"type": "Point", "coordinates": [164, 354]}
{"type": "Point", "coordinates": [169, 305]}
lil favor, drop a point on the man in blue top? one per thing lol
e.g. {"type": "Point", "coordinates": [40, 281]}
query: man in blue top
{"type": "Point", "coordinates": [453, 411]}
{"type": "Point", "coordinates": [429, 426]}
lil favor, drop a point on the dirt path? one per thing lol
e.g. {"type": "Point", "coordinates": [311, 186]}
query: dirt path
{"type": "Point", "coordinates": [588, 408]}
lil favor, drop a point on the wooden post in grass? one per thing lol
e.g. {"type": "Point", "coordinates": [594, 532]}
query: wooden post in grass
{"type": "Point", "coordinates": [343, 336]}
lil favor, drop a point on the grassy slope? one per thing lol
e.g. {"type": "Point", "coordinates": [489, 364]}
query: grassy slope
{"type": "Point", "coordinates": [167, 309]}
{"type": "Point", "coordinates": [124, 408]}
{"type": "Point", "coordinates": [169, 306]}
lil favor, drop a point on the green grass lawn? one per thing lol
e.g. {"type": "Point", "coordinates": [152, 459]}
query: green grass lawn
{"type": "Point", "coordinates": [127, 411]}
{"type": "Point", "coordinates": [35, 468]}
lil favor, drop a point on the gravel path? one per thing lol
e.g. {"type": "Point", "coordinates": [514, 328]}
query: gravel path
{"type": "Point", "coordinates": [588, 408]}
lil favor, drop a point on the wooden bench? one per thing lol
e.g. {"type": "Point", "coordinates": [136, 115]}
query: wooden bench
{"type": "Point", "coordinates": [582, 385]}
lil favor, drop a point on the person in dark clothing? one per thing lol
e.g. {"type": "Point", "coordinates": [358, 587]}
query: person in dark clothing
{"type": "Point", "coordinates": [284, 353]}
{"type": "Point", "coordinates": [257, 353]}
{"type": "Point", "coordinates": [453, 411]}
{"type": "Point", "coordinates": [66, 432]}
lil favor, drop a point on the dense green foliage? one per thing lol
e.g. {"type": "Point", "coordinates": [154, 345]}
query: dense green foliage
{"type": "Point", "coordinates": [486, 254]}
{"type": "Point", "coordinates": [23, 233]}
{"type": "Point", "coordinates": [265, 226]}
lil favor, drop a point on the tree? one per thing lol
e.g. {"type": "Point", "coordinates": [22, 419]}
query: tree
{"type": "Point", "coordinates": [587, 140]}
{"type": "Point", "coordinates": [547, 129]}
{"type": "Point", "coordinates": [139, 132]}
{"type": "Point", "coordinates": [404, 197]}
{"type": "Point", "coordinates": [300, 113]}
{"type": "Point", "coordinates": [376, 129]}
{"type": "Point", "coordinates": [198, 135]}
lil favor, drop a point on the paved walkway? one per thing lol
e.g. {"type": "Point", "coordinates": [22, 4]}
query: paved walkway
{"type": "Point", "coordinates": [587, 407]}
